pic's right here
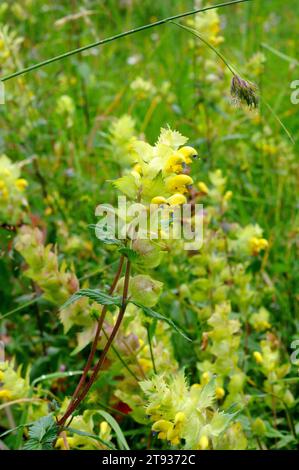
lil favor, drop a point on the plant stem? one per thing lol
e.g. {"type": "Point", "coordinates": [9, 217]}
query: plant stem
{"type": "Point", "coordinates": [117, 36]}
{"type": "Point", "coordinates": [201, 38]}
{"type": "Point", "coordinates": [103, 355]}
{"type": "Point", "coordinates": [96, 338]}
{"type": "Point", "coordinates": [151, 348]}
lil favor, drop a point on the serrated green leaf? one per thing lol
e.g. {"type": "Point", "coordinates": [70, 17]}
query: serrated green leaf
{"type": "Point", "coordinates": [207, 395]}
{"type": "Point", "coordinates": [94, 294]}
{"type": "Point", "coordinates": [127, 185]}
{"type": "Point", "coordinates": [42, 434]}
{"type": "Point", "coordinates": [153, 314]}
{"type": "Point", "coordinates": [153, 187]}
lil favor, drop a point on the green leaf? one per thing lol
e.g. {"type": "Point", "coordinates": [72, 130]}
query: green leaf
{"type": "Point", "coordinates": [153, 187]}
{"type": "Point", "coordinates": [158, 316]}
{"type": "Point", "coordinates": [42, 434]}
{"type": "Point", "coordinates": [123, 445]}
{"type": "Point", "coordinates": [207, 395]}
{"type": "Point", "coordinates": [94, 294]}
{"type": "Point", "coordinates": [127, 185]}
{"type": "Point", "coordinates": [132, 255]}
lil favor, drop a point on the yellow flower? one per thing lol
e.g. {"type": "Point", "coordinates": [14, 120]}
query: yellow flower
{"type": "Point", "coordinates": [159, 200]}
{"type": "Point", "coordinates": [177, 200]}
{"type": "Point", "coordinates": [178, 184]}
{"type": "Point", "coordinates": [203, 187]}
{"type": "Point", "coordinates": [21, 184]}
{"type": "Point", "coordinates": [6, 394]}
{"type": "Point", "coordinates": [2, 184]}
{"type": "Point", "coordinates": [162, 425]}
{"type": "Point", "coordinates": [219, 392]}
{"type": "Point", "coordinates": [228, 195]}
{"type": "Point", "coordinates": [174, 164]}
{"type": "Point", "coordinates": [137, 168]}
{"type": "Point", "coordinates": [205, 378]}
{"type": "Point", "coordinates": [258, 357]}
{"type": "Point", "coordinates": [146, 364]}
{"type": "Point", "coordinates": [4, 193]}
{"type": "Point", "coordinates": [180, 417]}
{"type": "Point", "coordinates": [188, 153]}
{"type": "Point", "coordinates": [203, 443]}
{"type": "Point", "coordinates": [48, 211]}
{"type": "Point", "coordinates": [257, 245]}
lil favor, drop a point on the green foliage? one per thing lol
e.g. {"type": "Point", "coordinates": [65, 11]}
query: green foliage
{"type": "Point", "coordinates": [42, 434]}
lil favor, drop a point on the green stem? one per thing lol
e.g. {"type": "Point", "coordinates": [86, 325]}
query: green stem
{"type": "Point", "coordinates": [117, 36]}
{"type": "Point", "coordinates": [201, 38]}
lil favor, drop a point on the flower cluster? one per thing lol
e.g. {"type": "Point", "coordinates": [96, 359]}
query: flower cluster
{"type": "Point", "coordinates": [185, 414]}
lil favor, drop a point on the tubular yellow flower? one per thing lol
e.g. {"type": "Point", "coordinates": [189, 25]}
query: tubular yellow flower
{"type": "Point", "coordinates": [205, 378]}
{"type": "Point", "coordinates": [228, 195]}
{"type": "Point", "coordinates": [177, 200]}
{"type": "Point", "coordinates": [174, 164]}
{"type": "Point", "coordinates": [138, 168]}
{"type": "Point", "coordinates": [6, 394]}
{"type": "Point", "coordinates": [258, 357]}
{"type": "Point", "coordinates": [162, 425]}
{"type": "Point", "coordinates": [159, 200]}
{"type": "Point", "coordinates": [4, 193]}
{"type": "Point", "coordinates": [203, 187]}
{"type": "Point", "coordinates": [180, 417]}
{"type": "Point", "coordinates": [188, 153]}
{"type": "Point", "coordinates": [178, 184]}
{"type": "Point", "coordinates": [257, 245]}
{"type": "Point", "coordinates": [21, 184]}
{"type": "Point", "coordinates": [203, 443]}
{"type": "Point", "coordinates": [219, 392]}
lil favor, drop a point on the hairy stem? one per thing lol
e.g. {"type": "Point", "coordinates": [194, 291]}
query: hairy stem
{"type": "Point", "coordinates": [98, 331]}
{"type": "Point", "coordinates": [103, 355]}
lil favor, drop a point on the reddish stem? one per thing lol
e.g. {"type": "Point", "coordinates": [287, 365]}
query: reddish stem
{"type": "Point", "coordinates": [72, 407]}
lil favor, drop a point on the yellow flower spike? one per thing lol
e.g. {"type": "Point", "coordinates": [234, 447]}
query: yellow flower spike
{"type": "Point", "coordinates": [203, 443]}
{"type": "Point", "coordinates": [159, 200]}
{"type": "Point", "coordinates": [180, 417]}
{"type": "Point", "coordinates": [188, 154]}
{"type": "Point", "coordinates": [1, 375]}
{"type": "Point", "coordinates": [21, 184]}
{"type": "Point", "coordinates": [178, 183]}
{"type": "Point", "coordinates": [162, 425]}
{"type": "Point", "coordinates": [177, 200]}
{"type": "Point", "coordinates": [104, 427]}
{"type": "Point", "coordinates": [258, 357]}
{"type": "Point", "coordinates": [203, 188]}
{"type": "Point", "coordinates": [219, 392]}
{"type": "Point", "coordinates": [6, 394]}
{"type": "Point", "coordinates": [174, 164]}
{"type": "Point", "coordinates": [2, 184]}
